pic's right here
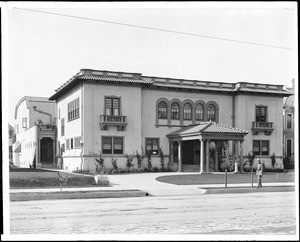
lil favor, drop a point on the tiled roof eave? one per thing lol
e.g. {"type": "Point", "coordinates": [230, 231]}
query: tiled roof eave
{"type": "Point", "coordinates": [197, 88]}
{"type": "Point", "coordinates": [114, 79]}
{"type": "Point", "coordinates": [263, 92]}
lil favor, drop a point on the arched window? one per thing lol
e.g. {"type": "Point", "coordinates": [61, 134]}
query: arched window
{"type": "Point", "coordinates": [187, 111]}
{"type": "Point", "coordinates": [199, 112]}
{"type": "Point", "coordinates": [211, 112]}
{"type": "Point", "coordinates": [174, 111]}
{"type": "Point", "coordinates": [162, 110]}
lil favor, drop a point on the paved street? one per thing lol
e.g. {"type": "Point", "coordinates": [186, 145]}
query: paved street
{"type": "Point", "coordinates": [230, 214]}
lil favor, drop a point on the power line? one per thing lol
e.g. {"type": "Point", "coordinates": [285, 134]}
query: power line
{"type": "Point", "coordinates": [157, 29]}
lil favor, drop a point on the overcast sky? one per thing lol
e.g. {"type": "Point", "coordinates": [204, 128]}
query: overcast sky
{"type": "Point", "coordinates": [221, 42]}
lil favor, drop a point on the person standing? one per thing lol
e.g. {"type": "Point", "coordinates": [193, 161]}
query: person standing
{"type": "Point", "coordinates": [259, 173]}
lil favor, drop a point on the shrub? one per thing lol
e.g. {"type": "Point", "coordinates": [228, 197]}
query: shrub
{"type": "Point", "coordinates": [114, 164]}
{"type": "Point", "coordinates": [150, 168]}
{"type": "Point", "coordinates": [155, 169]}
{"type": "Point", "coordinates": [129, 162]}
{"type": "Point", "coordinates": [162, 158]}
{"type": "Point", "coordinates": [99, 164]}
{"type": "Point", "coordinates": [251, 158]}
{"type": "Point", "coordinates": [273, 159]}
{"type": "Point", "coordinates": [288, 162]}
{"type": "Point", "coordinates": [140, 159]}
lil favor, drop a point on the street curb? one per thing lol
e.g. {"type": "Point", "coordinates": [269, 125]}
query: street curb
{"type": "Point", "coordinates": [224, 190]}
{"type": "Point", "coordinates": [34, 196]}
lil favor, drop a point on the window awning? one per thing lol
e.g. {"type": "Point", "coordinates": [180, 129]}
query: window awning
{"type": "Point", "coordinates": [208, 130]}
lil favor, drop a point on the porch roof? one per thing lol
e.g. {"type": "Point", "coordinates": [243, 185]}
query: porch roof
{"type": "Point", "coordinates": [208, 130]}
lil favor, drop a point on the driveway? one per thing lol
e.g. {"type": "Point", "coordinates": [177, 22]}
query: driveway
{"type": "Point", "coordinates": [147, 182]}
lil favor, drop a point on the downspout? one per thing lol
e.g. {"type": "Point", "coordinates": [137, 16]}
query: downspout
{"type": "Point", "coordinates": [40, 111]}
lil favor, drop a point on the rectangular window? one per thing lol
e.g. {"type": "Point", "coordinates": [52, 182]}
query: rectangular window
{"type": "Point", "coordinates": [107, 145]}
{"type": "Point", "coordinates": [289, 121]}
{"type": "Point", "coordinates": [261, 147]}
{"type": "Point", "coordinates": [62, 127]}
{"type": "Point", "coordinates": [24, 123]}
{"type": "Point", "coordinates": [187, 114]}
{"type": "Point", "coordinates": [289, 148]}
{"type": "Point", "coordinates": [112, 106]}
{"type": "Point", "coordinates": [68, 144]}
{"type": "Point", "coordinates": [199, 114]}
{"type": "Point", "coordinates": [73, 110]}
{"type": "Point", "coordinates": [118, 145]}
{"type": "Point", "coordinates": [71, 144]}
{"type": "Point", "coordinates": [112, 145]}
{"type": "Point", "coordinates": [261, 114]}
{"type": "Point", "coordinates": [59, 113]}
{"type": "Point", "coordinates": [152, 145]}
{"type": "Point", "coordinates": [77, 142]}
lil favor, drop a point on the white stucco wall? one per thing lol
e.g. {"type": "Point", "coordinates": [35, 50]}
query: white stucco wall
{"type": "Point", "coordinates": [149, 99]}
{"type": "Point", "coordinates": [94, 106]}
{"type": "Point", "coordinates": [245, 115]}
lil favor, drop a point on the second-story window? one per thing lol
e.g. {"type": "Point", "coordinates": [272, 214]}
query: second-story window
{"type": "Point", "coordinates": [62, 127]}
{"type": "Point", "coordinates": [199, 112]}
{"type": "Point", "coordinates": [174, 111]}
{"type": "Point", "coordinates": [73, 110]}
{"type": "Point", "coordinates": [289, 121]}
{"type": "Point", "coordinates": [24, 123]}
{"type": "Point", "coordinates": [261, 114]}
{"type": "Point", "coordinates": [162, 110]}
{"type": "Point", "coordinates": [211, 112]}
{"type": "Point", "coordinates": [187, 111]}
{"type": "Point", "coordinates": [112, 106]}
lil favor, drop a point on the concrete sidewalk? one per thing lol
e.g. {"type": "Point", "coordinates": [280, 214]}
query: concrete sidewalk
{"type": "Point", "coordinates": [147, 182]}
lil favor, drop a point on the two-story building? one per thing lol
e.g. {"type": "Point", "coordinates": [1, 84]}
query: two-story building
{"type": "Point", "coordinates": [35, 129]}
{"type": "Point", "coordinates": [289, 124]}
{"type": "Point", "coordinates": [195, 123]}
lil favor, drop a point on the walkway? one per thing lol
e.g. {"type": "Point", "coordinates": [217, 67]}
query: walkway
{"type": "Point", "coordinates": [146, 182]}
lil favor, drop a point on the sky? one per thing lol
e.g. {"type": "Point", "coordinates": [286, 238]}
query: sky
{"type": "Point", "coordinates": [45, 44]}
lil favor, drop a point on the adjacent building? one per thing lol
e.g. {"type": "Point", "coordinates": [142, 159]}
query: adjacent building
{"type": "Point", "coordinates": [198, 125]}
{"type": "Point", "coordinates": [289, 124]}
{"type": "Point", "coordinates": [35, 128]}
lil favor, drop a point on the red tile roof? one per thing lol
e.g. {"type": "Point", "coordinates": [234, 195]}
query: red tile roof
{"type": "Point", "coordinates": [208, 128]}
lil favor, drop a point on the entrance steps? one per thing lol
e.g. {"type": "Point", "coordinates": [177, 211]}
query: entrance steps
{"type": "Point", "coordinates": [191, 168]}
{"type": "Point", "coordinates": [49, 166]}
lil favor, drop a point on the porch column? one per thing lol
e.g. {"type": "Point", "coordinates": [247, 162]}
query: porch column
{"type": "Point", "coordinates": [179, 157]}
{"type": "Point", "coordinates": [171, 152]}
{"type": "Point", "coordinates": [241, 155]}
{"type": "Point", "coordinates": [216, 156]}
{"type": "Point", "coordinates": [202, 156]}
{"type": "Point", "coordinates": [207, 156]}
{"type": "Point", "coordinates": [236, 170]}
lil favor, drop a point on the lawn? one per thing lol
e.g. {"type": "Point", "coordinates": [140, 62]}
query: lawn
{"type": "Point", "coordinates": [197, 179]}
{"type": "Point", "coordinates": [36, 178]}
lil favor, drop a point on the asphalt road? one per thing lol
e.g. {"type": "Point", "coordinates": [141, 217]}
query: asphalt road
{"type": "Point", "coordinates": [271, 213]}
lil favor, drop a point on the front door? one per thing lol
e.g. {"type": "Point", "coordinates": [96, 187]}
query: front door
{"type": "Point", "coordinates": [188, 152]}
{"type": "Point", "coordinates": [46, 150]}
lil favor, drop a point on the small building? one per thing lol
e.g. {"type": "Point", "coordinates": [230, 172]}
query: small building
{"type": "Point", "coordinates": [194, 124]}
{"type": "Point", "coordinates": [289, 125]}
{"type": "Point", "coordinates": [35, 127]}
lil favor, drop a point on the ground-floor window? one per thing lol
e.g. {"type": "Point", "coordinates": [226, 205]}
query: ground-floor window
{"type": "Point", "coordinates": [112, 145]}
{"type": "Point", "coordinates": [289, 148]}
{"type": "Point", "coordinates": [152, 145]}
{"type": "Point", "coordinates": [261, 147]}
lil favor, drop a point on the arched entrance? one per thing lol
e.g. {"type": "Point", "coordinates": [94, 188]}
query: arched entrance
{"type": "Point", "coordinates": [46, 150]}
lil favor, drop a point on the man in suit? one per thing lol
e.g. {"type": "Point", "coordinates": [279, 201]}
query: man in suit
{"type": "Point", "coordinates": [259, 172]}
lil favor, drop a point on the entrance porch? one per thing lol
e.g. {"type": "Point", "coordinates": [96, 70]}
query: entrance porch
{"type": "Point", "coordinates": [206, 145]}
